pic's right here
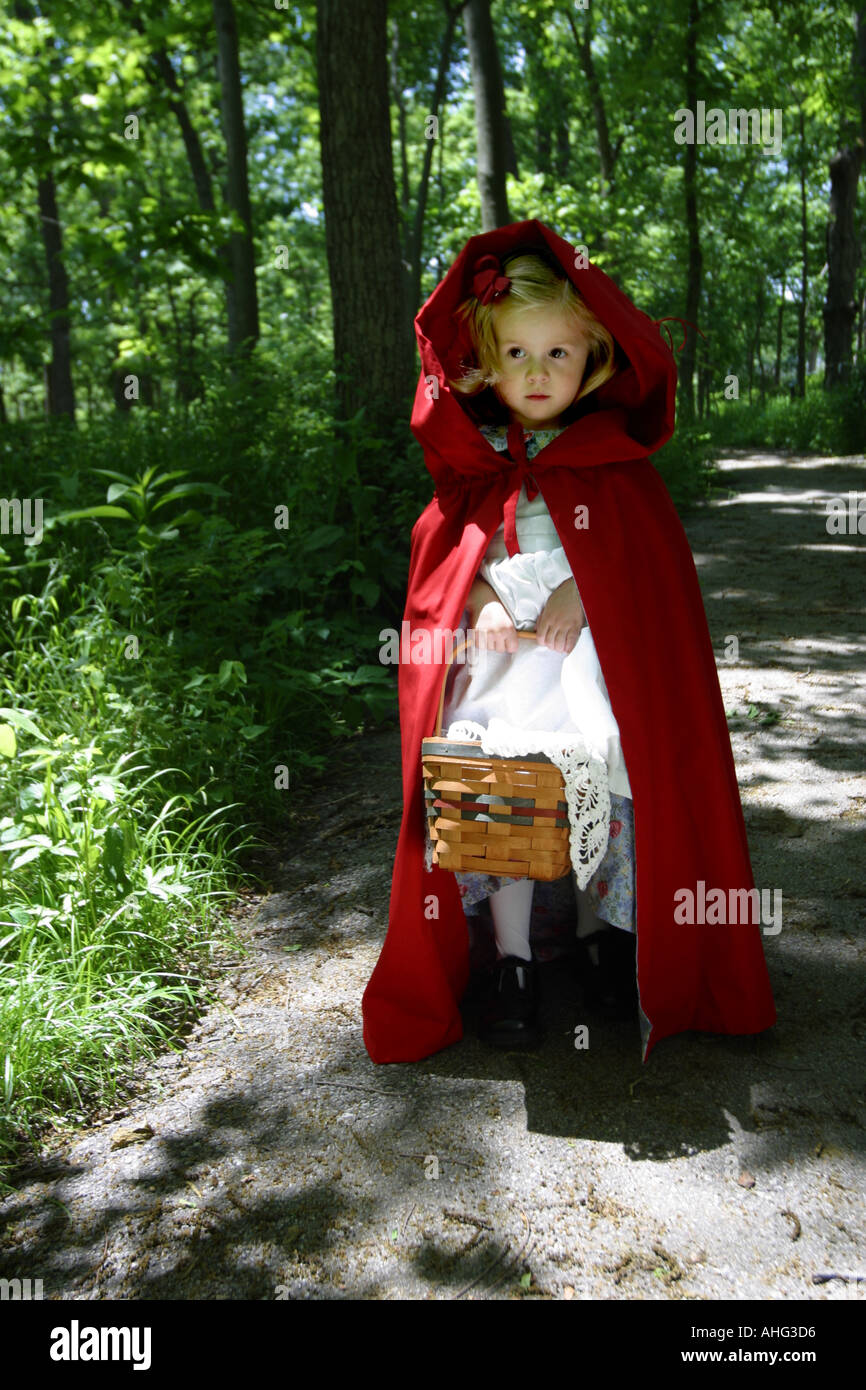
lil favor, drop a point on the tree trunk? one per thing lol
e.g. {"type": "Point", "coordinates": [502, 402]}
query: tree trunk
{"type": "Point", "coordinates": [606, 154]}
{"type": "Point", "coordinates": [492, 136]}
{"type": "Point", "coordinates": [695, 260]}
{"type": "Point", "coordinates": [416, 235]}
{"type": "Point", "coordinates": [804, 265]}
{"type": "Point", "coordinates": [163, 72]}
{"type": "Point", "coordinates": [244, 334]}
{"type": "Point", "coordinates": [843, 253]}
{"type": "Point", "coordinates": [760, 308]}
{"type": "Point", "coordinates": [60, 393]}
{"type": "Point", "coordinates": [59, 390]}
{"type": "Point", "coordinates": [543, 144]}
{"type": "Point", "coordinates": [563, 150]}
{"type": "Point", "coordinates": [397, 92]}
{"type": "Point", "coordinates": [843, 243]}
{"type": "Point", "coordinates": [374, 365]}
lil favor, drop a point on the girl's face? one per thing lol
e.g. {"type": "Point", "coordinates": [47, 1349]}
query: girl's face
{"type": "Point", "coordinates": [542, 356]}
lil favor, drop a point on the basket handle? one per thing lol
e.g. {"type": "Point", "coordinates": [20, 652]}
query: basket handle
{"type": "Point", "coordinates": [530, 635]}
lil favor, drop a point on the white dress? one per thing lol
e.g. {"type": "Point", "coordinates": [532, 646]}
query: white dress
{"type": "Point", "coordinates": [541, 690]}
{"type": "Point", "coordinates": [536, 688]}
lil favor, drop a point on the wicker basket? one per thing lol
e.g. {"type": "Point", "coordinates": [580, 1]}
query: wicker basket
{"type": "Point", "coordinates": [523, 834]}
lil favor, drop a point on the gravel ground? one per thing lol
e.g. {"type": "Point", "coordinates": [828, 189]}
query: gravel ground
{"type": "Point", "coordinates": [270, 1158]}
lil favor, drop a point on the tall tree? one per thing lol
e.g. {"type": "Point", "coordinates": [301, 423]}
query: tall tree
{"type": "Point", "coordinates": [162, 75]}
{"type": "Point", "coordinates": [804, 260]}
{"type": "Point", "coordinates": [371, 350]}
{"type": "Point", "coordinates": [60, 391]}
{"type": "Point", "coordinates": [59, 388]}
{"type": "Point", "coordinates": [495, 150]}
{"type": "Point", "coordinates": [243, 301]}
{"type": "Point", "coordinates": [414, 230]}
{"type": "Point", "coordinates": [695, 258]}
{"type": "Point", "coordinates": [843, 243]}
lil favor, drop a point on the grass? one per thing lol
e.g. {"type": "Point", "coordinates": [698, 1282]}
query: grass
{"type": "Point", "coordinates": [115, 866]}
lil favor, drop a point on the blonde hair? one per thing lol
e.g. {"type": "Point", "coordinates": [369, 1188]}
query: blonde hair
{"type": "Point", "coordinates": [534, 285]}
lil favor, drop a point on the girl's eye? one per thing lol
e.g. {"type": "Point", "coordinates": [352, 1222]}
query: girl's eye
{"type": "Point", "coordinates": [513, 352]}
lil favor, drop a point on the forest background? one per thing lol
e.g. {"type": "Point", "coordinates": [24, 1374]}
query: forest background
{"type": "Point", "coordinates": [219, 220]}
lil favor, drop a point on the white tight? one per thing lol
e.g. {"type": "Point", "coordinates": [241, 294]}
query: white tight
{"type": "Point", "coordinates": [511, 910]}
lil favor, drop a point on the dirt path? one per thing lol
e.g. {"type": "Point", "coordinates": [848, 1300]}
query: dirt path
{"type": "Point", "coordinates": [272, 1159]}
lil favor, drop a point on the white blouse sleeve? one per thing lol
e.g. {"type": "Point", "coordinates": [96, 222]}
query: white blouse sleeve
{"type": "Point", "coordinates": [524, 582]}
{"type": "Point", "coordinates": [552, 568]}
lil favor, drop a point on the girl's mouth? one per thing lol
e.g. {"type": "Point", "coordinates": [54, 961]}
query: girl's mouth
{"type": "Point", "coordinates": [537, 396]}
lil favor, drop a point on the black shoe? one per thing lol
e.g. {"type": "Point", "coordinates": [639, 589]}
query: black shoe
{"type": "Point", "coordinates": [607, 970]}
{"type": "Point", "coordinates": [509, 1017]}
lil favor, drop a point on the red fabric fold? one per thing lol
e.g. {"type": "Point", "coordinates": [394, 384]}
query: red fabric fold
{"type": "Point", "coordinates": [518, 474]}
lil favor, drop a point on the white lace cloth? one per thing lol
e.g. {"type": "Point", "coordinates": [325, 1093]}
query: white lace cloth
{"type": "Point", "coordinates": [586, 786]}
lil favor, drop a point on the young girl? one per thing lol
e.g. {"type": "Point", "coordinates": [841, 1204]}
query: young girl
{"type": "Point", "coordinates": [542, 392]}
{"type": "Point", "coordinates": [540, 351]}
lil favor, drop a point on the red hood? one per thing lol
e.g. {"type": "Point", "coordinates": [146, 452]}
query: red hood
{"type": "Point", "coordinates": [633, 411]}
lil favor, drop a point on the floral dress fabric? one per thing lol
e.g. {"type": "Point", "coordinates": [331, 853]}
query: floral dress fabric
{"type": "Point", "coordinates": [611, 889]}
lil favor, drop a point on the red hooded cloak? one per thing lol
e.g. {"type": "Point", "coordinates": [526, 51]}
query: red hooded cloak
{"type": "Point", "coordinates": [639, 588]}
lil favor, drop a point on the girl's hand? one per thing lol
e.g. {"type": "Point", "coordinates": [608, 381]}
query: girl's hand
{"type": "Point", "coordinates": [494, 630]}
{"type": "Point", "coordinates": [561, 619]}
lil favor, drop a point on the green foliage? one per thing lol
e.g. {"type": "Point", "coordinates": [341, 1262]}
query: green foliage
{"type": "Point", "coordinates": [686, 465]}
{"type": "Point", "coordinates": [111, 869]}
{"type": "Point", "coordinates": [144, 497]}
{"type": "Point", "coordinates": [830, 422]}
{"type": "Point", "coordinates": [161, 669]}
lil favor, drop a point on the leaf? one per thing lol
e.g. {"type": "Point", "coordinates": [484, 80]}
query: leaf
{"type": "Point", "coordinates": [370, 675]}
{"type": "Point", "coordinates": [96, 511]}
{"type": "Point", "coordinates": [118, 490]}
{"type": "Point", "coordinates": [110, 473]}
{"type": "Point", "coordinates": [186, 490]}
{"type": "Point", "coordinates": [43, 841]}
{"type": "Point", "coordinates": [366, 589]}
{"type": "Point", "coordinates": [526, 1280]}
{"type": "Point", "coordinates": [25, 858]}
{"type": "Point", "coordinates": [21, 721]}
{"type": "Point", "coordinates": [322, 536]}
{"type": "Point", "coordinates": [8, 743]}
{"type": "Point", "coordinates": [113, 853]}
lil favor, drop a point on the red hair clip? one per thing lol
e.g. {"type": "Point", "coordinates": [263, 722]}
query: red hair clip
{"type": "Point", "coordinates": [488, 281]}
